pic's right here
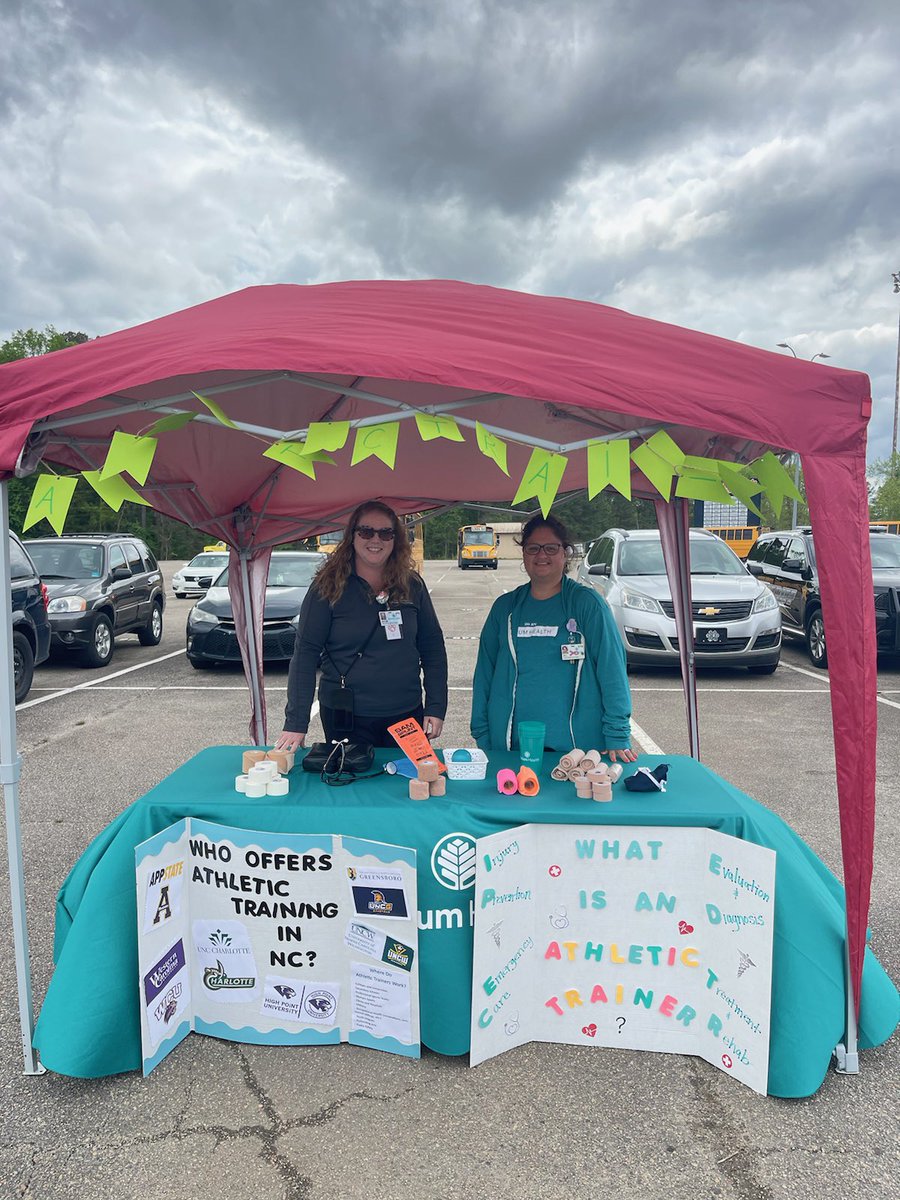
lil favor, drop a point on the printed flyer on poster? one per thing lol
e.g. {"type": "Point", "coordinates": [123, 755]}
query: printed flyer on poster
{"type": "Point", "coordinates": [276, 939]}
{"type": "Point", "coordinates": [639, 937]}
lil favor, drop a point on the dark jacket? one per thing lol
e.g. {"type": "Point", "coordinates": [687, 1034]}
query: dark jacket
{"type": "Point", "coordinates": [387, 680]}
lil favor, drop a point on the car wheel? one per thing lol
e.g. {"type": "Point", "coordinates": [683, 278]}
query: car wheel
{"type": "Point", "coordinates": [759, 669]}
{"type": "Point", "coordinates": [151, 634]}
{"type": "Point", "coordinates": [200, 664]}
{"type": "Point", "coordinates": [100, 650]}
{"type": "Point", "coordinates": [23, 665]}
{"type": "Point", "coordinates": [815, 641]}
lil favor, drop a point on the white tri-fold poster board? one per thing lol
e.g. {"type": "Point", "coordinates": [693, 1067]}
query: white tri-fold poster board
{"type": "Point", "coordinates": [276, 939]}
{"type": "Point", "coordinates": [644, 938]}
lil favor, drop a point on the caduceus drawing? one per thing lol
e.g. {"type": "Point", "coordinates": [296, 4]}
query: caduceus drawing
{"type": "Point", "coordinates": [746, 961]}
{"type": "Point", "coordinates": [494, 931]}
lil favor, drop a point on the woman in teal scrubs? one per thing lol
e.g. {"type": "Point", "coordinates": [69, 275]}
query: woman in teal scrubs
{"type": "Point", "coordinates": [550, 651]}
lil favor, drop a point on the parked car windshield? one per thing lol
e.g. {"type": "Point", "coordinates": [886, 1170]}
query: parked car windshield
{"type": "Point", "coordinates": [209, 560]}
{"type": "Point", "coordinates": [289, 571]}
{"type": "Point", "coordinates": [66, 560]}
{"type": "Point", "coordinates": [885, 552]}
{"type": "Point", "coordinates": [709, 556]}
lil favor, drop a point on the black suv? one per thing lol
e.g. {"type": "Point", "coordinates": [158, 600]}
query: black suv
{"type": "Point", "coordinates": [786, 561]}
{"type": "Point", "coordinates": [100, 585]}
{"type": "Point", "coordinates": [30, 627]}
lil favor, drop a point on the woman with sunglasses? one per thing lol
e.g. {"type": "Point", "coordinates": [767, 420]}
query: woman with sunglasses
{"type": "Point", "coordinates": [550, 651]}
{"type": "Point", "coordinates": [369, 621]}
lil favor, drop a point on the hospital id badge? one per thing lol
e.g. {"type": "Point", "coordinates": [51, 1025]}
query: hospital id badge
{"type": "Point", "coordinates": [392, 631]}
{"type": "Point", "coordinates": [390, 616]}
{"type": "Point", "coordinates": [572, 651]}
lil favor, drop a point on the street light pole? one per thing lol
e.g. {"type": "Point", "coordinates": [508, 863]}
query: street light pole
{"type": "Point", "coordinates": [896, 277]}
{"type": "Point", "coordinates": [821, 354]}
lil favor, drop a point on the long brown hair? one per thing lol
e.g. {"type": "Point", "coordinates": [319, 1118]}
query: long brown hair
{"type": "Point", "coordinates": [332, 576]}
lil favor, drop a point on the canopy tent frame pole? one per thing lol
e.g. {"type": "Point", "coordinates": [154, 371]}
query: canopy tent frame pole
{"type": "Point", "coordinates": [674, 528]}
{"type": "Point", "coordinates": [846, 1053]}
{"type": "Point", "coordinates": [10, 767]}
{"type": "Point", "coordinates": [250, 626]}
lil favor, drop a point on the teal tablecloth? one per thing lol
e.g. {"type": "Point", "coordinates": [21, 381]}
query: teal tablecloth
{"type": "Point", "coordinates": [90, 1021]}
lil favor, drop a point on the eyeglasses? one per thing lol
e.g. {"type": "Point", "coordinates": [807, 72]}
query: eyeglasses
{"type": "Point", "coordinates": [549, 548]}
{"type": "Point", "coordinates": [367, 532]}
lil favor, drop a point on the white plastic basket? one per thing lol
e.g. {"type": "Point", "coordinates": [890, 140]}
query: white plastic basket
{"type": "Point", "coordinates": [476, 769]}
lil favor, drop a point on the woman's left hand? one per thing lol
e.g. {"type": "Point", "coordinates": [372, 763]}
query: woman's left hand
{"type": "Point", "coordinates": [621, 755]}
{"type": "Point", "coordinates": [433, 727]}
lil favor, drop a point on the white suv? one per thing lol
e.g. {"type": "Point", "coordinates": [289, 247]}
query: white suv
{"type": "Point", "coordinates": [737, 621]}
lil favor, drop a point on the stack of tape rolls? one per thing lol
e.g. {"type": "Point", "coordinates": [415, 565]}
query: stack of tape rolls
{"type": "Point", "coordinates": [593, 778]}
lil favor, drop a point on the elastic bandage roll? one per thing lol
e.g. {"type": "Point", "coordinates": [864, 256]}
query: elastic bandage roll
{"type": "Point", "coordinates": [572, 759]}
{"type": "Point", "coordinates": [528, 782]}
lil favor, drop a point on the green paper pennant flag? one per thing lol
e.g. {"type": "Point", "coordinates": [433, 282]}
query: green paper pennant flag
{"type": "Point", "coordinates": [491, 446]}
{"type": "Point", "coordinates": [609, 463]}
{"type": "Point", "coordinates": [660, 443]}
{"type": "Point", "coordinates": [326, 435]}
{"type": "Point", "coordinates": [378, 441]}
{"type": "Point", "coordinates": [739, 485]}
{"type": "Point", "coordinates": [113, 491]}
{"type": "Point", "coordinates": [131, 453]}
{"type": "Point", "coordinates": [216, 410]}
{"type": "Point", "coordinates": [775, 480]}
{"type": "Point", "coordinates": [542, 478]}
{"type": "Point", "coordinates": [172, 421]}
{"type": "Point", "coordinates": [291, 455]}
{"type": "Point", "coordinates": [50, 499]}
{"type": "Point", "coordinates": [694, 485]}
{"type": "Point", "coordinates": [437, 425]}
{"type": "Point", "coordinates": [657, 470]}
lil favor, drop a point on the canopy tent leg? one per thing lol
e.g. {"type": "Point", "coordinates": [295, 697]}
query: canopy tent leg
{"type": "Point", "coordinates": [846, 1052]}
{"type": "Point", "coordinates": [9, 777]}
{"type": "Point", "coordinates": [674, 530]}
{"type": "Point", "coordinates": [259, 716]}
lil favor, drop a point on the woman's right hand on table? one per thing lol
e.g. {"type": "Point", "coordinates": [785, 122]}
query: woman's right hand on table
{"type": "Point", "coordinates": [289, 741]}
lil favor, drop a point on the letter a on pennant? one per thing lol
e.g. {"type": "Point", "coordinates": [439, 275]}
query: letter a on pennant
{"type": "Point", "coordinates": [51, 498]}
{"type": "Point", "coordinates": [376, 441]}
{"type": "Point", "coordinates": [542, 478]}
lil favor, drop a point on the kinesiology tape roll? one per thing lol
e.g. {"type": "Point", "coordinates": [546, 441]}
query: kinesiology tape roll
{"type": "Point", "coordinates": [528, 782]}
{"type": "Point", "coordinates": [506, 782]}
{"type": "Point", "coordinates": [591, 760]}
{"type": "Point", "coordinates": [559, 774]}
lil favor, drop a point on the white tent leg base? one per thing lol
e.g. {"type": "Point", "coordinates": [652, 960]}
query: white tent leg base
{"type": "Point", "coordinates": [847, 1061]}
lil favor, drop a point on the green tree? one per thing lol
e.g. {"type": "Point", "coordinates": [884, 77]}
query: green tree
{"type": "Point", "coordinates": [886, 498]}
{"type": "Point", "coordinates": [28, 343]}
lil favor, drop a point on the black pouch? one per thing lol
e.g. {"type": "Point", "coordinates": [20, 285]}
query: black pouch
{"type": "Point", "coordinates": [339, 698]}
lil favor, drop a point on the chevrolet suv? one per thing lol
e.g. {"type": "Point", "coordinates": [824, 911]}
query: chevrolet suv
{"type": "Point", "coordinates": [786, 561]}
{"type": "Point", "coordinates": [100, 585]}
{"type": "Point", "coordinates": [736, 619]}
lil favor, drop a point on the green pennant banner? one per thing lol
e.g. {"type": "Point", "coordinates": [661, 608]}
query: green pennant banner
{"type": "Point", "coordinates": [657, 470]}
{"type": "Point", "coordinates": [491, 446]}
{"type": "Point", "coordinates": [291, 455]}
{"type": "Point", "coordinates": [131, 453]}
{"type": "Point", "coordinates": [775, 481]}
{"type": "Point", "coordinates": [50, 501]}
{"type": "Point", "coordinates": [216, 410]}
{"type": "Point", "coordinates": [669, 451]}
{"type": "Point", "coordinates": [437, 425]}
{"type": "Point", "coordinates": [739, 485]}
{"type": "Point", "coordinates": [172, 421]}
{"type": "Point", "coordinates": [376, 441]}
{"type": "Point", "coordinates": [113, 491]}
{"type": "Point", "coordinates": [609, 463]}
{"type": "Point", "coordinates": [542, 478]}
{"type": "Point", "coordinates": [326, 435]}
{"type": "Point", "coordinates": [694, 485]}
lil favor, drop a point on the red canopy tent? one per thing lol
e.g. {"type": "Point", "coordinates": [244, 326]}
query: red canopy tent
{"type": "Point", "coordinates": [540, 371]}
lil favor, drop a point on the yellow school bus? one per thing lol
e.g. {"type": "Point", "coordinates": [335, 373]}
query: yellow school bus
{"type": "Point", "coordinates": [885, 527]}
{"type": "Point", "coordinates": [476, 546]}
{"type": "Point", "coordinates": [741, 538]}
{"type": "Point", "coordinates": [327, 543]}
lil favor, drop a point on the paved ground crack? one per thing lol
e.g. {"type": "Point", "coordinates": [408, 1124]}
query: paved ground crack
{"type": "Point", "coordinates": [738, 1166]}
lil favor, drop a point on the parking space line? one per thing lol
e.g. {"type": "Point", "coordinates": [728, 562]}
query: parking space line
{"type": "Point", "coordinates": [90, 683]}
{"type": "Point", "coordinates": [648, 744]}
{"type": "Point", "coordinates": [881, 698]}
{"type": "Point", "coordinates": [751, 690]}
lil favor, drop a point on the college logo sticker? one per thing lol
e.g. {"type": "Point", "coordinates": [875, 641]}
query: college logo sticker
{"type": "Point", "coordinates": [320, 1005]}
{"type": "Point", "coordinates": [453, 862]}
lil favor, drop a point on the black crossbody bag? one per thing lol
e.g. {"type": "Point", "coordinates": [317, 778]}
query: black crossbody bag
{"type": "Point", "coordinates": [338, 697]}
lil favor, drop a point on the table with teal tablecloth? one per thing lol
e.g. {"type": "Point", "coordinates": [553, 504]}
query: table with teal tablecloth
{"type": "Point", "coordinates": [90, 1021]}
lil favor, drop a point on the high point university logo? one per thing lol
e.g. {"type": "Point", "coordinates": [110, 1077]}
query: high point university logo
{"type": "Point", "coordinates": [453, 861]}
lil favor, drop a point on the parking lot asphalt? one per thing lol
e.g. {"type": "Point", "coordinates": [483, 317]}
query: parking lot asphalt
{"type": "Point", "coordinates": [541, 1121]}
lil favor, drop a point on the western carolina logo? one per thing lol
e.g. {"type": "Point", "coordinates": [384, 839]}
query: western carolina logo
{"type": "Point", "coordinates": [453, 861]}
{"type": "Point", "coordinates": [215, 978]}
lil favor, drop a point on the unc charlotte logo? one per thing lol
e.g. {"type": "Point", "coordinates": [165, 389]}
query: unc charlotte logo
{"type": "Point", "coordinates": [453, 861]}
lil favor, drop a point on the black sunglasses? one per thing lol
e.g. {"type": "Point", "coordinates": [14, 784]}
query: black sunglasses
{"type": "Point", "coordinates": [369, 531]}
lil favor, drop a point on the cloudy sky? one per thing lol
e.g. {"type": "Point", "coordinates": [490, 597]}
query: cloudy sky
{"type": "Point", "coordinates": [730, 165]}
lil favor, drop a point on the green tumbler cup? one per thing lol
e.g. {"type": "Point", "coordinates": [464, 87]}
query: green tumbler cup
{"type": "Point", "coordinates": [531, 743]}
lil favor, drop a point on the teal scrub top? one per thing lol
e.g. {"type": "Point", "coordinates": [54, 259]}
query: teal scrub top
{"type": "Point", "coordinates": [545, 684]}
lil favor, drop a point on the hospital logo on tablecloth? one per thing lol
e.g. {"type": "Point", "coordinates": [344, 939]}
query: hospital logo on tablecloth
{"type": "Point", "coordinates": [453, 862]}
